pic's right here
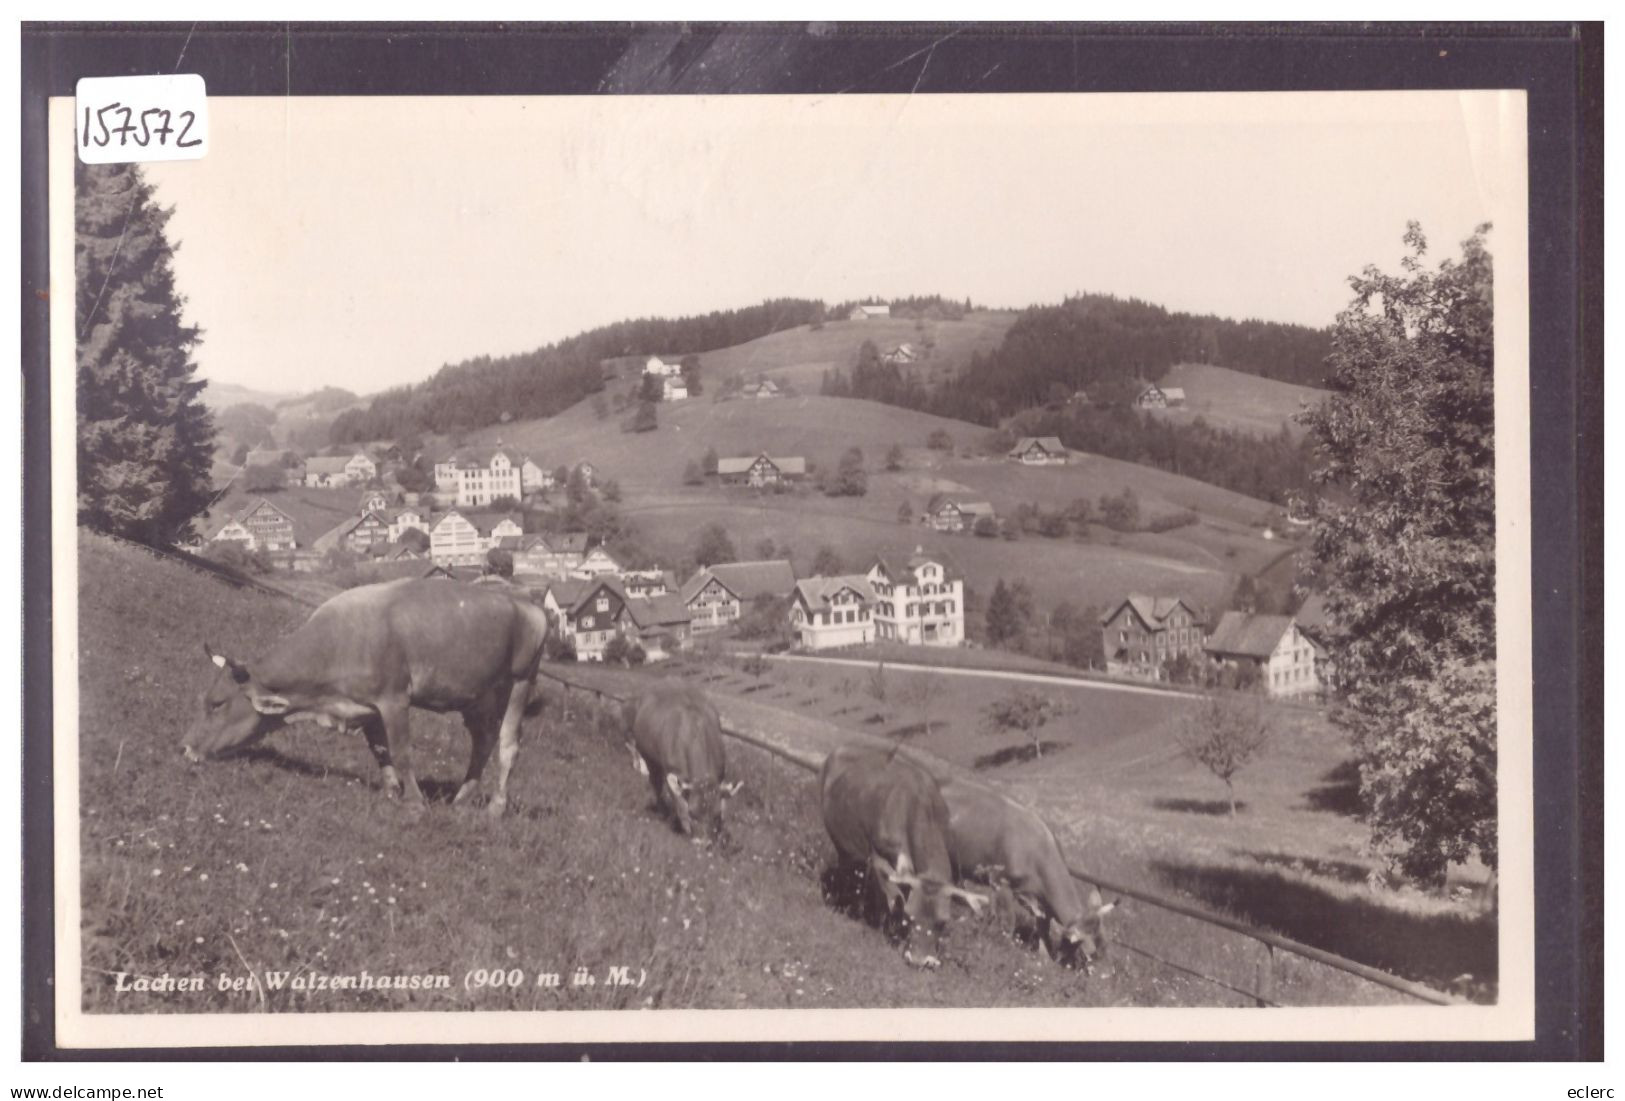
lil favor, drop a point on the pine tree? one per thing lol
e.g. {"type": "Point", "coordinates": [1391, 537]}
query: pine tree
{"type": "Point", "coordinates": [145, 439]}
{"type": "Point", "coordinates": [1407, 555]}
{"type": "Point", "coordinates": [1003, 616]}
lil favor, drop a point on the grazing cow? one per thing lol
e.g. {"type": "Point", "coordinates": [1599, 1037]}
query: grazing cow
{"type": "Point", "coordinates": [677, 742]}
{"type": "Point", "coordinates": [996, 840]}
{"type": "Point", "coordinates": [885, 814]}
{"type": "Point", "coordinates": [369, 655]}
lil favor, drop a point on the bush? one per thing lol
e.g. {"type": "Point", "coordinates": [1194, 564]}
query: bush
{"type": "Point", "coordinates": [986, 527]}
{"type": "Point", "coordinates": [940, 440]}
{"type": "Point", "coordinates": [238, 557]}
{"type": "Point", "coordinates": [1172, 520]}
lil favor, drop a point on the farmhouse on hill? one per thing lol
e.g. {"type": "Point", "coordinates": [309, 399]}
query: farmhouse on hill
{"type": "Point", "coordinates": [959, 515]}
{"type": "Point", "coordinates": [717, 595]}
{"type": "Point", "coordinates": [674, 389]}
{"type": "Point", "coordinates": [1039, 451]}
{"type": "Point", "coordinates": [869, 312]}
{"type": "Point", "coordinates": [662, 368]}
{"type": "Point", "coordinates": [1142, 634]}
{"type": "Point", "coordinates": [356, 533]}
{"type": "Point", "coordinates": [761, 388]}
{"type": "Point", "coordinates": [826, 612]}
{"type": "Point", "coordinates": [900, 354]}
{"type": "Point", "coordinates": [761, 470]}
{"type": "Point", "coordinates": [260, 526]}
{"type": "Point", "coordinates": [920, 604]}
{"type": "Point", "coordinates": [1274, 645]}
{"type": "Point", "coordinates": [325, 471]}
{"type": "Point", "coordinates": [1160, 397]}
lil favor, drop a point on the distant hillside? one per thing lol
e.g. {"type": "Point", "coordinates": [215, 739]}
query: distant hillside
{"type": "Point", "coordinates": [220, 395]}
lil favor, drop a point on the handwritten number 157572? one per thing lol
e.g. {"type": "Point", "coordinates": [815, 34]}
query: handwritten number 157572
{"type": "Point", "coordinates": [138, 129]}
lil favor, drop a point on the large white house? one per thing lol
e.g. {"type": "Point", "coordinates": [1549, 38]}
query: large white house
{"type": "Point", "coordinates": [664, 368]}
{"type": "Point", "coordinates": [479, 476]}
{"type": "Point", "coordinates": [827, 612]}
{"type": "Point", "coordinates": [454, 541]}
{"type": "Point", "coordinates": [920, 604]}
{"type": "Point", "coordinates": [1274, 645]}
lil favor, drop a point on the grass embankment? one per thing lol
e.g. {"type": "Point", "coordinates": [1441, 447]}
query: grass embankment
{"type": "Point", "coordinates": [290, 860]}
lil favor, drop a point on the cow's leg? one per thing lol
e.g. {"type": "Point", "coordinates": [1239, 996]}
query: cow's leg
{"type": "Point", "coordinates": [397, 729]}
{"type": "Point", "coordinates": [482, 720]}
{"type": "Point", "coordinates": [508, 742]}
{"type": "Point", "coordinates": [378, 741]}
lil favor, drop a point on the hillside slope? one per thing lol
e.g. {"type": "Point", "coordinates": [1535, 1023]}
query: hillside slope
{"type": "Point", "coordinates": [1227, 398]}
{"type": "Point", "coordinates": [289, 858]}
{"type": "Point", "coordinates": [1199, 561]}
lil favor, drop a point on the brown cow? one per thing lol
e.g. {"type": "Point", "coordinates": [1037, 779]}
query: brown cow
{"type": "Point", "coordinates": [996, 840]}
{"type": "Point", "coordinates": [886, 815]}
{"type": "Point", "coordinates": [677, 742]}
{"type": "Point", "coordinates": [369, 655]}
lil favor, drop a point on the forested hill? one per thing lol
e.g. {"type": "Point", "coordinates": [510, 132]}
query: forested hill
{"type": "Point", "coordinates": [1103, 344]}
{"type": "Point", "coordinates": [486, 390]}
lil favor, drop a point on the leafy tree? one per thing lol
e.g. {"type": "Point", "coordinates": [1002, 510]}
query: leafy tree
{"type": "Point", "coordinates": [849, 479]}
{"type": "Point", "coordinates": [611, 491]}
{"type": "Point", "coordinates": [415, 538]}
{"type": "Point", "coordinates": [709, 462]}
{"type": "Point", "coordinates": [1245, 596]}
{"type": "Point", "coordinates": [1079, 513]}
{"type": "Point", "coordinates": [646, 419]}
{"type": "Point", "coordinates": [617, 651]}
{"type": "Point", "coordinates": [1405, 551]}
{"type": "Point", "coordinates": [986, 527]}
{"type": "Point", "coordinates": [1224, 737]}
{"type": "Point", "coordinates": [229, 552]}
{"type": "Point", "coordinates": [918, 693]}
{"type": "Point", "coordinates": [600, 407]}
{"type": "Point", "coordinates": [940, 440]}
{"type": "Point", "coordinates": [239, 455]}
{"type": "Point", "coordinates": [576, 488]}
{"type": "Point", "coordinates": [827, 562]}
{"type": "Point", "coordinates": [905, 515]}
{"type": "Point", "coordinates": [651, 389]}
{"type": "Point", "coordinates": [1121, 513]}
{"type": "Point", "coordinates": [1027, 712]}
{"type": "Point", "coordinates": [766, 548]}
{"type": "Point", "coordinates": [894, 457]}
{"type": "Point", "coordinates": [713, 546]}
{"type": "Point", "coordinates": [692, 475]}
{"type": "Point", "coordinates": [145, 440]}
{"type": "Point", "coordinates": [499, 561]}
{"type": "Point", "coordinates": [1052, 524]}
{"type": "Point", "coordinates": [1004, 621]}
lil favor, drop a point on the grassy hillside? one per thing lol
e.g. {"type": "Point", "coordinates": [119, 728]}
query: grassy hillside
{"type": "Point", "coordinates": [218, 395]}
{"type": "Point", "coordinates": [801, 355]}
{"type": "Point", "coordinates": [289, 859]}
{"type": "Point", "coordinates": [1234, 399]}
{"type": "Point", "coordinates": [1199, 561]}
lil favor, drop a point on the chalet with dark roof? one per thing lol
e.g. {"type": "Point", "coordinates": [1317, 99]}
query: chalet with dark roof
{"type": "Point", "coordinates": [1142, 634]}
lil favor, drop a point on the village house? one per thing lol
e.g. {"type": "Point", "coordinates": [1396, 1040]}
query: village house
{"type": "Point", "coordinates": [374, 500]}
{"type": "Point", "coordinates": [403, 520]}
{"type": "Point", "coordinates": [826, 612]}
{"type": "Point", "coordinates": [647, 583]}
{"type": "Point", "coordinates": [959, 515]}
{"type": "Point", "coordinates": [674, 389]}
{"type": "Point", "coordinates": [761, 470]}
{"type": "Point", "coordinates": [1039, 451]}
{"type": "Point", "coordinates": [594, 618]}
{"type": "Point", "coordinates": [1282, 654]}
{"type": "Point", "coordinates": [588, 473]}
{"type": "Point", "coordinates": [1314, 621]}
{"type": "Point", "coordinates": [357, 534]}
{"type": "Point", "coordinates": [662, 368]}
{"type": "Point", "coordinates": [718, 595]}
{"type": "Point", "coordinates": [869, 312]}
{"type": "Point", "coordinates": [1142, 634]}
{"type": "Point", "coordinates": [597, 562]}
{"type": "Point", "coordinates": [455, 541]}
{"type": "Point", "coordinates": [659, 624]}
{"type": "Point", "coordinates": [332, 471]}
{"type": "Point", "coordinates": [900, 354]}
{"type": "Point", "coordinates": [259, 526]}
{"type": "Point", "coordinates": [556, 554]}
{"type": "Point", "coordinates": [360, 468]}
{"type": "Point", "coordinates": [921, 604]}
{"type": "Point", "coordinates": [479, 476]}
{"type": "Point", "coordinates": [761, 388]}
{"type": "Point", "coordinates": [1160, 397]}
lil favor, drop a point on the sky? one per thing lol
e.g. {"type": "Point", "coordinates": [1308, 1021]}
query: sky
{"type": "Point", "coordinates": [366, 242]}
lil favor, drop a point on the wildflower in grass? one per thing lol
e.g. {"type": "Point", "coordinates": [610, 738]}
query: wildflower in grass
{"type": "Point", "coordinates": [157, 871]}
{"type": "Point", "coordinates": [203, 878]}
{"type": "Point", "coordinates": [241, 867]}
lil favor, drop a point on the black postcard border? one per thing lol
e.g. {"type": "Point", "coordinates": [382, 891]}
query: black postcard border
{"type": "Point", "coordinates": [1559, 65]}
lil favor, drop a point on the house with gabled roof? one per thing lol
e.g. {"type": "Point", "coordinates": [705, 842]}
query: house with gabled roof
{"type": "Point", "coordinates": [959, 515]}
{"type": "Point", "coordinates": [662, 367]}
{"type": "Point", "coordinates": [357, 534]}
{"type": "Point", "coordinates": [1160, 397]}
{"type": "Point", "coordinates": [597, 562]}
{"type": "Point", "coordinates": [660, 624]}
{"type": "Point", "coordinates": [590, 616]}
{"type": "Point", "coordinates": [331, 471]}
{"type": "Point", "coordinates": [554, 553]}
{"type": "Point", "coordinates": [870, 312]}
{"type": "Point", "coordinates": [761, 388]}
{"type": "Point", "coordinates": [826, 612]}
{"type": "Point", "coordinates": [761, 469]}
{"type": "Point", "coordinates": [1273, 645]}
{"type": "Point", "coordinates": [717, 595]}
{"type": "Point", "coordinates": [920, 602]}
{"type": "Point", "coordinates": [1039, 451]}
{"type": "Point", "coordinates": [259, 526]}
{"type": "Point", "coordinates": [900, 354]}
{"type": "Point", "coordinates": [1141, 634]}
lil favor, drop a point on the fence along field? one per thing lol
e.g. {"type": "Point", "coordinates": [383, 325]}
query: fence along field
{"type": "Point", "coordinates": [290, 861]}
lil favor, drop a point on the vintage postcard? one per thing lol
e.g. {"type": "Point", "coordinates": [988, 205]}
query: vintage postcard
{"type": "Point", "coordinates": [861, 567]}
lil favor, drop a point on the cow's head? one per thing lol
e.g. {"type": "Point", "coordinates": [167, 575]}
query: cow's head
{"type": "Point", "coordinates": [929, 902]}
{"type": "Point", "coordinates": [705, 800]}
{"type": "Point", "coordinates": [1081, 943]}
{"type": "Point", "coordinates": [234, 713]}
